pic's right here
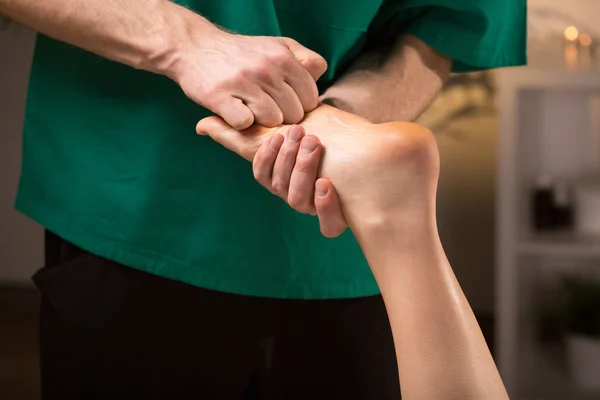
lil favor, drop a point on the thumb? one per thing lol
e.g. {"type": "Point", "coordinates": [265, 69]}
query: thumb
{"type": "Point", "coordinates": [244, 143]}
{"type": "Point", "coordinates": [311, 61]}
{"type": "Point", "coordinates": [329, 209]}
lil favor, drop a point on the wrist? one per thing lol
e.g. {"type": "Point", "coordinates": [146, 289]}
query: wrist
{"type": "Point", "coordinates": [180, 31]}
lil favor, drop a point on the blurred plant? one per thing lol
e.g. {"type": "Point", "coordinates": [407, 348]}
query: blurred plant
{"type": "Point", "coordinates": [570, 307]}
{"type": "Point", "coordinates": [580, 305]}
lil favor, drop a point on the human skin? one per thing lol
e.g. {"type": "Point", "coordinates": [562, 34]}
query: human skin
{"type": "Point", "coordinates": [386, 178]}
{"type": "Point", "coordinates": [264, 80]}
{"type": "Point", "coordinates": [244, 79]}
{"type": "Point", "coordinates": [383, 85]}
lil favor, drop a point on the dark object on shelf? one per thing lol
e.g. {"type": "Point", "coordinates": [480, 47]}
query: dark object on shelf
{"type": "Point", "coordinates": [543, 205]}
{"type": "Point", "coordinates": [563, 207]}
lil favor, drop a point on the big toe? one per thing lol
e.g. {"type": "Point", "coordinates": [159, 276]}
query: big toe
{"type": "Point", "coordinates": [244, 143]}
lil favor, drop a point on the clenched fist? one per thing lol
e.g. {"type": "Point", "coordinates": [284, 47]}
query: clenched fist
{"type": "Point", "coordinates": [251, 79]}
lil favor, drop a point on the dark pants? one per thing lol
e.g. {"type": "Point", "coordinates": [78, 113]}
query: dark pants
{"type": "Point", "coordinates": [112, 332]}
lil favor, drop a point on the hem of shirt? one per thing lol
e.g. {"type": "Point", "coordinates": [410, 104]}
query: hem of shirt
{"type": "Point", "coordinates": [469, 59]}
{"type": "Point", "coordinates": [178, 270]}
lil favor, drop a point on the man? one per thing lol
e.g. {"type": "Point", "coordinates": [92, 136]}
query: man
{"type": "Point", "coordinates": [180, 276]}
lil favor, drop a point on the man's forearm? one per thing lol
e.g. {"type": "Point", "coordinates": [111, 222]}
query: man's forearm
{"type": "Point", "coordinates": [394, 84]}
{"type": "Point", "coordinates": [144, 34]}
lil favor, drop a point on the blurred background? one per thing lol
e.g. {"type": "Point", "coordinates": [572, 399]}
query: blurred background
{"type": "Point", "coordinates": [518, 207]}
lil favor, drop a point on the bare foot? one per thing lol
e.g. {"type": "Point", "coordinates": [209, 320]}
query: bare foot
{"type": "Point", "coordinates": [378, 170]}
{"type": "Point", "coordinates": [386, 178]}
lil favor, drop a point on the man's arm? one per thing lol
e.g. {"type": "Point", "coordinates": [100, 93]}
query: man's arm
{"type": "Point", "coordinates": [394, 84]}
{"type": "Point", "coordinates": [244, 79]}
{"type": "Point", "coordinates": [144, 34]}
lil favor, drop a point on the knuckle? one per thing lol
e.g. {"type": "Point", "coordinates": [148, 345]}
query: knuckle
{"type": "Point", "coordinates": [289, 152]}
{"type": "Point", "coordinates": [294, 116]}
{"type": "Point", "coordinates": [261, 178]}
{"type": "Point", "coordinates": [294, 202]}
{"type": "Point", "coordinates": [261, 169]}
{"type": "Point", "coordinates": [306, 165]}
{"type": "Point", "coordinates": [309, 103]}
{"type": "Point", "coordinates": [299, 203]}
{"type": "Point", "coordinates": [282, 58]}
{"type": "Point", "coordinates": [279, 187]}
{"type": "Point", "coordinates": [236, 80]}
{"type": "Point", "coordinates": [271, 116]}
{"type": "Point", "coordinates": [241, 122]}
{"type": "Point", "coordinates": [246, 120]}
{"type": "Point", "coordinates": [263, 71]}
{"type": "Point", "coordinates": [214, 90]}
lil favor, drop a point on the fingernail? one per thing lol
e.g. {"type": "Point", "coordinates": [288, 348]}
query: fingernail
{"type": "Point", "coordinates": [295, 133]}
{"type": "Point", "coordinates": [276, 142]}
{"type": "Point", "coordinates": [321, 190]}
{"type": "Point", "coordinates": [308, 145]}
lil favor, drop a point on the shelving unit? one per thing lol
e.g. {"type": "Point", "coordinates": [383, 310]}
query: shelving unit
{"type": "Point", "coordinates": [549, 122]}
{"type": "Point", "coordinates": [559, 245]}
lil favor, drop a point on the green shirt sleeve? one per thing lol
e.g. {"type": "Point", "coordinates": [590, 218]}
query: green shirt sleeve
{"type": "Point", "coordinates": [476, 34]}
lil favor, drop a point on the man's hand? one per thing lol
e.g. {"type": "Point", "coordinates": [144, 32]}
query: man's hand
{"type": "Point", "coordinates": [288, 167]}
{"type": "Point", "coordinates": [250, 79]}
{"type": "Point", "coordinates": [244, 79]}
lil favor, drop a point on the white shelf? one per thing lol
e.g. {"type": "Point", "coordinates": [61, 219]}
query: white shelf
{"type": "Point", "coordinates": [549, 79]}
{"type": "Point", "coordinates": [567, 244]}
{"type": "Point", "coordinates": [548, 123]}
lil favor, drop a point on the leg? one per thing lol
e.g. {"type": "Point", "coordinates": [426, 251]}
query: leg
{"type": "Point", "coordinates": [386, 177]}
{"type": "Point", "coordinates": [335, 349]}
{"type": "Point", "coordinates": [111, 332]}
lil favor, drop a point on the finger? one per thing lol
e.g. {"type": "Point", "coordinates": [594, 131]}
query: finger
{"type": "Point", "coordinates": [311, 61]}
{"type": "Point", "coordinates": [266, 111]}
{"type": "Point", "coordinates": [288, 102]}
{"type": "Point", "coordinates": [234, 112]}
{"type": "Point", "coordinates": [329, 209]}
{"type": "Point", "coordinates": [264, 160]}
{"type": "Point", "coordinates": [302, 183]}
{"type": "Point", "coordinates": [286, 159]}
{"type": "Point", "coordinates": [304, 86]}
{"type": "Point", "coordinates": [245, 143]}
{"type": "Point", "coordinates": [302, 77]}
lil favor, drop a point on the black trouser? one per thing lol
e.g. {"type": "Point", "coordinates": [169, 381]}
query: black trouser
{"type": "Point", "coordinates": [113, 332]}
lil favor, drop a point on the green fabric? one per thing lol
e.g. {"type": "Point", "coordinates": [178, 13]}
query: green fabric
{"type": "Point", "coordinates": [476, 34]}
{"type": "Point", "coordinates": [111, 161]}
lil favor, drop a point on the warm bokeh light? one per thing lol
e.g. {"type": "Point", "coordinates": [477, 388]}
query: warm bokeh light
{"type": "Point", "coordinates": [571, 33]}
{"type": "Point", "coordinates": [571, 57]}
{"type": "Point", "coordinates": [585, 40]}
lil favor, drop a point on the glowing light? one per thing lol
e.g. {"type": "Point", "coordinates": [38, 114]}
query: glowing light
{"type": "Point", "coordinates": [585, 40]}
{"type": "Point", "coordinates": [571, 57]}
{"type": "Point", "coordinates": [571, 33]}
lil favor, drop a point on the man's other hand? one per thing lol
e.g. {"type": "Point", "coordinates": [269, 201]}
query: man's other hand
{"type": "Point", "coordinates": [288, 165]}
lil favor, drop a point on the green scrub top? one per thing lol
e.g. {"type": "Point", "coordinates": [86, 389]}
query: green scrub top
{"type": "Point", "coordinates": [111, 161]}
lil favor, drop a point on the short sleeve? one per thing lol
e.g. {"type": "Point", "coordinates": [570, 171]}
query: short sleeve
{"type": "Point", "coordinates": [476, 34]}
